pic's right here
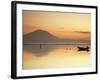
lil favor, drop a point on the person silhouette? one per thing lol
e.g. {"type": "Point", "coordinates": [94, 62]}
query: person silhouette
{"type": "Point", "coordinates": [87, 48]}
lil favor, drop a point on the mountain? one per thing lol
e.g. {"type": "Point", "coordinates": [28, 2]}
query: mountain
{"type": "Point", "coordinates": [41, 36]}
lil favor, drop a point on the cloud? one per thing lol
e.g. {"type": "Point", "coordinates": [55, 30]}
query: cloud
{"type": "Point", "coordinates": [83, 32]}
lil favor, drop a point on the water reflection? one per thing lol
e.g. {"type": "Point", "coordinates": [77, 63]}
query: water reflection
{"type": "Point", "coordinates": [40, 50]}
{"type": "Point", "coordinates": [55, 56]}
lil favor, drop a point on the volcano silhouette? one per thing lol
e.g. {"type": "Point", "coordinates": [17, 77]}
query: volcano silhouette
{"type": "Point", "coordinates": [41, 36]}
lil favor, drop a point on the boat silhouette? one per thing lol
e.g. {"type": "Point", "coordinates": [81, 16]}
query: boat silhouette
{"type": "Point", "coordinates": [83, 48]}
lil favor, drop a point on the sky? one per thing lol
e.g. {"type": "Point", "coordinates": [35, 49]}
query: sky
{"type": "Point", "coordinates": [61, 24]}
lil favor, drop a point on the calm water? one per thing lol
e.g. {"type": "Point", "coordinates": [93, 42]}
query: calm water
{"type": "Point", "coordinates": [55, 56]}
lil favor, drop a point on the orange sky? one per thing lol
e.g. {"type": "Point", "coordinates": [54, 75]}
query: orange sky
{"type": "Point", "coordinates": [60, 24]}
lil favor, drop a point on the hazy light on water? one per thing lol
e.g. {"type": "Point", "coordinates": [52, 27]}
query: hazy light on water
{"type": "Point", "coordinates": [60, 57]}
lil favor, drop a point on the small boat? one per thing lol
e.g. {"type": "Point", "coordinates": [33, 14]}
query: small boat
{"type": "Point", "coordinates": [83, 48]}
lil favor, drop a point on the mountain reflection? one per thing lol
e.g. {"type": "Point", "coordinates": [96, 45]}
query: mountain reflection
{"type": "Point", "coordinates": [40, 50]}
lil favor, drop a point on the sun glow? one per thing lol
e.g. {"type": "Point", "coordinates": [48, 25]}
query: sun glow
{"type": "Point", "coordinates": [62, 25]}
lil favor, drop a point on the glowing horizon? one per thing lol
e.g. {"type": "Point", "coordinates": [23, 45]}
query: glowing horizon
{"type": "Point", "coordinates": [62, 25]}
